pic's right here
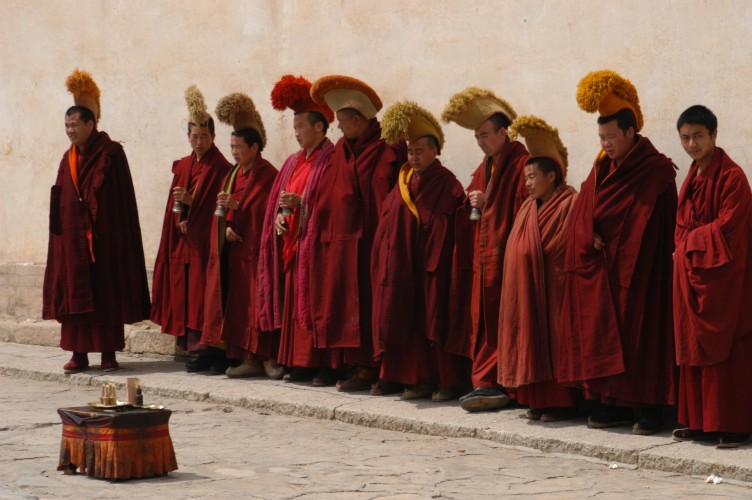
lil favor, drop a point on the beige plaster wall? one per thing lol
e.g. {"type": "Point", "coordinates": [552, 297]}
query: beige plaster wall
{"type": "Point", "coordinates": [144, 53]}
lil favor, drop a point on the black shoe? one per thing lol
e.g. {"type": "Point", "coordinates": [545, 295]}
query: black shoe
{"type": "Point", "coordinates": [325, 377]}
{"type": "Point", "coordinates": [484, 399]}
{"type": "Point", "coordinates": [202, 363]}
{"type": "Point", "coordinates": [300, 375]}
{"type": "Point", "coordinates": [219, 367]}
{"type": "Point", "coordinates": [649, 421]}
{"type": "Point", "coordinates": [611, 416]}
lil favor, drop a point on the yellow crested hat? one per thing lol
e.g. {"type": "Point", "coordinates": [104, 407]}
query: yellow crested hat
{"type": "Point", "coordinates": [541, 139]}
{"type": "Point", "coordinates": [473, 106]}
{"type": "Point", "coordinates": [197, 113]}
{"type": "Point", "coordinates": [85, 91]}
{"type": "Point", "coordinates": [239, 111]}
{"type": "Point", "coordinates": [607, 92]}
{"type": "Point", "coordinates": [408, 121]}
{"type": "Point", "coordinates": [341, 92]}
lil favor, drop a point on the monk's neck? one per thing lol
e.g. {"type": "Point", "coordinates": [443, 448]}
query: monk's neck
{"type": "Point", "coordinates": [309, 151]}
{"type": "Point", "coordinates": [247, 166]}
{"type": "Point", "coordinates": [704, 163]}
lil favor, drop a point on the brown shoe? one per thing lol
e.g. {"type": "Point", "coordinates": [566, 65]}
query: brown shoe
{"type": "Point", "coordinates": [560, 413]}
{"type": "Point", "coordinates": [417, 391]}
{"type": "Point", "coordinates": [360, 381]}
{"type": "Point", "coordinates": [446, 394]}
{"type": "Point", "coordinates": [274, 370]}
{"type": "Point", "coordinates": [687, 434]}
{"type": "Point", "coordinates": [733, 440]}
{"type": "Point", "coordinates": [245, 369]}
{"type": "Point", "coordinates": [385, 388]}
{"type": "Point", "coordinates": [534, 413]}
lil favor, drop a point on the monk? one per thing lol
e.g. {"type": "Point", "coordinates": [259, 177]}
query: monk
{"type": "Point", "coordinates": [284, 277]}
{"type": "Point", "coordinates": [712, 294]}
{"type": "Point", "coordinates": [411, 264]}
{"type": "Point", "coordinates": [95, 279]}
{"type": "Point", "coordinates": [230, 302]}
{"type": "Point", "coordinates": [495, 193]}
{"type": "Point", "coordinates": [350, 202]}
{"type": "Point", "coordinates": [616, 332]}
{"type": "Point", "coordinates": [180, 268]}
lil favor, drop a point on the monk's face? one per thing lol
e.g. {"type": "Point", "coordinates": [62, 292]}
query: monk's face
{"type": "Point", "coordinates": [307, 135]}
{"type": "Point", "coordinates": [351, 124]}
{"type": "Point", "coordinates": [698, 142]}
{"type": "Point", "coordinates": [201, 140]}
{"type": "Point", "coordinates": [490, 141]}
{"type": "Point", "coordinates": [614, 141]}
{"type": "Point", "coordinates": [242, 153]}
{"type": "Point", "coordinates": [540, 185]}
{"type": "Point", "coordinates": [421, 153]}
{"type": "Point", "coordinates": [77, 130]}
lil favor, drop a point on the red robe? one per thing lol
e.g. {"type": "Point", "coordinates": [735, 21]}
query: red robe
{"type": "Point", "coordinates": [283, 277]}
{"type": "Point", "coordinates": [712, 296]}
{"type": "Point", "coordinates": [94, 298]}
{"type": "Point", "coordinates": [479, 258]}
{"type": "Point", "coordinates": [230, 301]}
{"type": "Point", "coordinates": [180, 268]}
{"type": "Point", "coordinates": [349, 205]}
{"type": "Point", "coordinates": [616, 331]}
{"type": "Point", "coordinates": [531, 295]}
{"type": "Point", "coordinates": [411, 276]}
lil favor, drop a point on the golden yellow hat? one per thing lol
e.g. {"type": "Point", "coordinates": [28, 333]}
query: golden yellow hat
{"type": "Point", "coordinates": [197, 113]}
{"type": "Point", "coordinates": [85, 91]}
{"type": "Point", "coordinates": [608, 92]}
{"type": "Point", "coordinates": [541, 139]}
{"type": "Point", "coordinates": [239, 111]}
{"type": "Point", "coordinates": [408, 121]}
{"type": "Point", "coordinates": [473, 106]}
{"type": "Point", "coordinates": [341, 92]}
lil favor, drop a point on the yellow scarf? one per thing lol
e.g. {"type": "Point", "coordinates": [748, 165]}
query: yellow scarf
{"type": "Point", "coordinates": [405, 176]}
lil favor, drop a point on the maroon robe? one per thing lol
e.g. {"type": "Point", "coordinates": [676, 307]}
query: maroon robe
{"type": "Point", "coordinates": [230, 301]}
{"type": "Point", "coordinates": [180, 269]}
{"type": "Point", "coordinates": [479, 260]}
{"type": "Point", "coordinates": [531, 296]}
{"type": "Point", "coordinates": [411, 276]}
{"type": "Point", "coordinates": [616, 331]}
{"type": "Point", "coordinates": [712, 297]}
{"type": "Point", "coordinates": [349, 205]}
{"type": "Point", "coordinates": [93, 299]}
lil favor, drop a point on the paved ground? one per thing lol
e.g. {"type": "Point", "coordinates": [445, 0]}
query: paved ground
{"type": "Point", "coordinates": [225, 451]}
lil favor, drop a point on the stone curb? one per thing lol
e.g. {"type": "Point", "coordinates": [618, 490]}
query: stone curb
{"type": "Point", "coordinates": [168, 379]}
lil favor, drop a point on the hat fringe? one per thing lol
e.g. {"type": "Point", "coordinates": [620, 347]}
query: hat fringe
{"type": "Point", "coordinates": [81, 82]}
{"type": "Point", "coordinates": [596, 85]}
{"type": "Point", "coordinates": [395, 123]}
{"type": "Point", "coordinates": [459, 102]}
{"type": "Point", "coordinates": [524, 125]}
{"type": "Point", "coordinates": [197, 112]}
{"type": "Point", "coordinates": [229, 106]}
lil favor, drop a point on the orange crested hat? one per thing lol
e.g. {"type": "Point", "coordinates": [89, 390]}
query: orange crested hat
{"type": "Point", "coordinates": [294, 92]}
{"type": "Point", "coordinates": [341, 92]}
{"type": "Point", "coordinates": [607, 92]}
{"type": "Point", "coordinates": [85, 91]}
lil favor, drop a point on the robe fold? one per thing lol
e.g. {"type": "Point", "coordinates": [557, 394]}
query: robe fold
{"type": "Point", "coordinates": [479, 259]}
{"type": "Point", "coordinates": [411, 276]}
{"type": "Point", "coordinates": [712, 297]}
{"type": "Point", "coordinates": [349, 205]}
{"type": "Point", "coordinates": [616, 331]}
{"type": "Point", "coordinates": [179, 281]}
{"type": "Point", "coordinates": [95, 279]}
{"type": "Point", "coordinates": [230, 301]}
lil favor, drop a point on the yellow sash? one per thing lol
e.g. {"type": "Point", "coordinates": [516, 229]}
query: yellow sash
{"type": "Point", "coordinates": [405, 176]}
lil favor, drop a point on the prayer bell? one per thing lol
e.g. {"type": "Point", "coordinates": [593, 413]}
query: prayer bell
{"type": "Point", "coordinates": [177, 208]}
{"type": "Point", "coordinates": [475, 214]}
{"type": "Point", "coordinates": [220, 211]}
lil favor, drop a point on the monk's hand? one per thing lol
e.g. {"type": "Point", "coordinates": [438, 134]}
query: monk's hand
{"type": "Point", "coordinates": [598, 242]}
{"type": "Point", "coordinates": [182, 195]}
{"type": "Point", "coordinates": [280, 224]}
{"type": "Point", "coordinates": [477, 199]}
{"type": "Point", "coordinates": [289, 200]}
{"type": "Point", "coordinates": [232, 235]}
{"type": "Point", "coordinates": [228, 201]}
{"type": "Point", "coordinates": [183, 225]}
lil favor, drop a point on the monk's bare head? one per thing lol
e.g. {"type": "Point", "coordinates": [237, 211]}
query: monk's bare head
{"type": "Point", "coordinates": [352, 123]}
{"type": "Point", "coordinates": [245, 145]}
{"type": "Point", "coordinates": [492, 134]}
{"type": "Point", "coordinates": [542, 175]}
{"type": "Point", "coordinates": [422, 152]}
{"type": "Point", "coordinates": [698, 130]}
{"type": "Point", "coordinates": [79, 125]}
{"type": "Point", "coordinates": [618, 134]}
{"type": "Point", "coordinates": [201, 137]}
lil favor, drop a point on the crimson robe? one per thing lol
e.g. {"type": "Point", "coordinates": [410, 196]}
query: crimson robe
{"type": "Point", "coordinates": [231, 271]}
{"type": "Point", "coordinates": [712, 297]}
{"type": "Point", "coordinates": [616, 331]}
{"type": "Point", "coordinates": [283, 291]}
{"type": "Point", "coordinates": [350, 202]}
{"type": "Point", "coordinates": [180, 269]}
{"type": "Point", "coordinates": [95, 296]}
{"type": "Point", "coordinates": [531, 295]}
{"type": "Point", "coordinates": [411, 276]}
{"type": "Point", "coordinates": [479, 259]}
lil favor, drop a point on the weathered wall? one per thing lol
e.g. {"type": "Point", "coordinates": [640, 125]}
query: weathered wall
{"type": "Point", "coordinates": [144, 53]}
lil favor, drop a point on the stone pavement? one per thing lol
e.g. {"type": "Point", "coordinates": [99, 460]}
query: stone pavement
{"type": "Point", "coordinates": [229, 452]}
{"type": "Point", "coordinates": [168, 379]}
